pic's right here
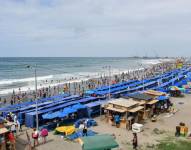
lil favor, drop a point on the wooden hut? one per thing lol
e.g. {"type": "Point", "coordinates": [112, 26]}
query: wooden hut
{"type": "Point", "coordinates": [147, 101]}
{"type": "Point", "coordinates": [129, 110]}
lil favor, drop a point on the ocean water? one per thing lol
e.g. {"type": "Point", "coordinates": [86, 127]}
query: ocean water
{"type": "Point", "coordinates": [15, 73]}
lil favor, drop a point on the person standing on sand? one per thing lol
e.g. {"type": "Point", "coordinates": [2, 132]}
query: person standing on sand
{"type": "Point", "coordinates": [35, 136]}
{"type": "Point", "coordinates": [11, 139]}
{"type": "Point", "coordinates": [135, 141]}
{"type": "Point", "coordinates": [13, 128]}
{"type": "Point", "coordinates": [19, 126]}
{"type": "Point", "coordinates": [2, 142]}
{"type": "Point", "coordinates": [81, 126]}
{"type": "Point", "coordinates": [5, 101]}
{"type": "Point", "coordinates": [14, 100]}
{"type": "Point", "coordinates": [44, 134]}
{"type": "Point", "coordinates": [11, 101]}
{"type": "Point", "coordinates": [85, 131]}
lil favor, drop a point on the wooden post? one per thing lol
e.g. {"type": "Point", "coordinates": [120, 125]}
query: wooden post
{"type": "Point", "coordinates": [144, 115]}
{"type": "Point", "coordinates": [126, 119]}
{"type": "Point", "coordinates": [28, 141]}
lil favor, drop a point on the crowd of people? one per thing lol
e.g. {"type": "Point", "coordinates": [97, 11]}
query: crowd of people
{"type": "Point", "coordinates": [81, 87]}
{"type": "Point", "coordinates": [8, 139]}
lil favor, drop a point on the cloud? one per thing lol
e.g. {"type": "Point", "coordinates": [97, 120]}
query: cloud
{"type": "Point", "coordinates": [94, 28]}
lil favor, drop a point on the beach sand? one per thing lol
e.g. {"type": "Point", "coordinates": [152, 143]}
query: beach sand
{"type": "Point", "coordinates": [165, 125]}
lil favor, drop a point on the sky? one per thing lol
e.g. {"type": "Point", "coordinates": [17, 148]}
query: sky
{"type": "Point", "coordinates": [95, 28]}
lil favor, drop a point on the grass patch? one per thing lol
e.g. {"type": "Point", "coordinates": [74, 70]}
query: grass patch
{"type": "Point", "coordinates": [174, 145]}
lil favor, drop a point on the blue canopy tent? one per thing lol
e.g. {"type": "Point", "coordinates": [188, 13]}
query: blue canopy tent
{"type": "Point", "coordinates": [30, 117]}
{"type": "Point", "coordinates": [153, 85]}
{"type": "Point", "coordinates": [51, 115]}
{"type": "Point", "coordinates": [29, 105]}
{"type": "Point", "coordinates": [65, 112]}
{"type": "Point", "coordinates": [78, 106]}
{"type": "Point", "coordinates": [102, 93]}
{"type": "Point", "coordinates": [106, 88]}
{"type": "Point", "coordinates": [56, 105]}
{"type": "Point", "coordinates": [93, 108]}
{"type": "Point", "coordinates": [87, 100]}
{"type": "Point", "coordinates": [43, 106]}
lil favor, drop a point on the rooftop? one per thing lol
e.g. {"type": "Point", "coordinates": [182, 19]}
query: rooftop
{"type": "Point", "coordinates": [124, 102]}
{"type": "Point", "coordinates": [141, 96]}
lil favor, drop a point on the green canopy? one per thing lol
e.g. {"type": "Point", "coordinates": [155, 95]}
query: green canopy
{"type": "Point", "coordinates": [99, 142]}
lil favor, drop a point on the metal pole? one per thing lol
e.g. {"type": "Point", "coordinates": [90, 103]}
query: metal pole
{"type": "Point", "coordinates": [141, 65]}
{"type": "Point", "coordinates": [162, 72]}
{"type": "Point", "coordinates": [100, 99]}
{"type": "Point", "coordinates": [37, 125]}
{"type": "Point", "coordinates": [109, 82]}
{"type": "Point", "coordinates": [143, 85]}
{"type": "Point", "coordinates": [104, 75]}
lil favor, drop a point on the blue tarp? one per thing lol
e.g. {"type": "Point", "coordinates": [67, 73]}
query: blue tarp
{"type": "Point", "coordinates": [30, 117]}
{"type": "Point", "coordinates": [64, 113]}
{"type": "Point", "coordinates": [50, 115]}
{"type": "Point", "coordinates": [153, 84]}
{"type": "Point", "coordinates": [79, 134]}
{"type": "Point", "coordinates": [87, 100]}
{"type": "Point", "coordinates": [112, 87]}
{"type": "Point", "coordinates": [17, 107]}
{"type": "Point", "coordinates": [78, 106]}
{"type": "Point", "coordinates": [163, 98]}
{"type": "Point", "coordinates": [93, 104]}
{"type": "Point", "coordinates": [54, 104]}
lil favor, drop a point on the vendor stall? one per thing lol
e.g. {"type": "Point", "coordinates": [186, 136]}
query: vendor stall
{"type": "Point", "coordinates": [123, 113]}
{"type": "Point", "coordinates": [176, 91]}
{"type": "Point", "coordinates": [5, 132]}
{"type": "Point", "coordinates": [147, 101]}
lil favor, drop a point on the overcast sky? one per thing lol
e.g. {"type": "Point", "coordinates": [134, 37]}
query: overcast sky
{"type": "Point", "coordinates": [95, 27]}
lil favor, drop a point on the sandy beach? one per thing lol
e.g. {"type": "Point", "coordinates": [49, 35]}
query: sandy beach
{"type": "Point", "coordinates": [95, 75]}
{"type": "Point", "coordinates": [147, 138]}
{"type": "Point", "coordinates": [152, 134]}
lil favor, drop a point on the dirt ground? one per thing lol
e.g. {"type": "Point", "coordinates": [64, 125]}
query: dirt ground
{"type": "Point", "coordinates": [152, 134]}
